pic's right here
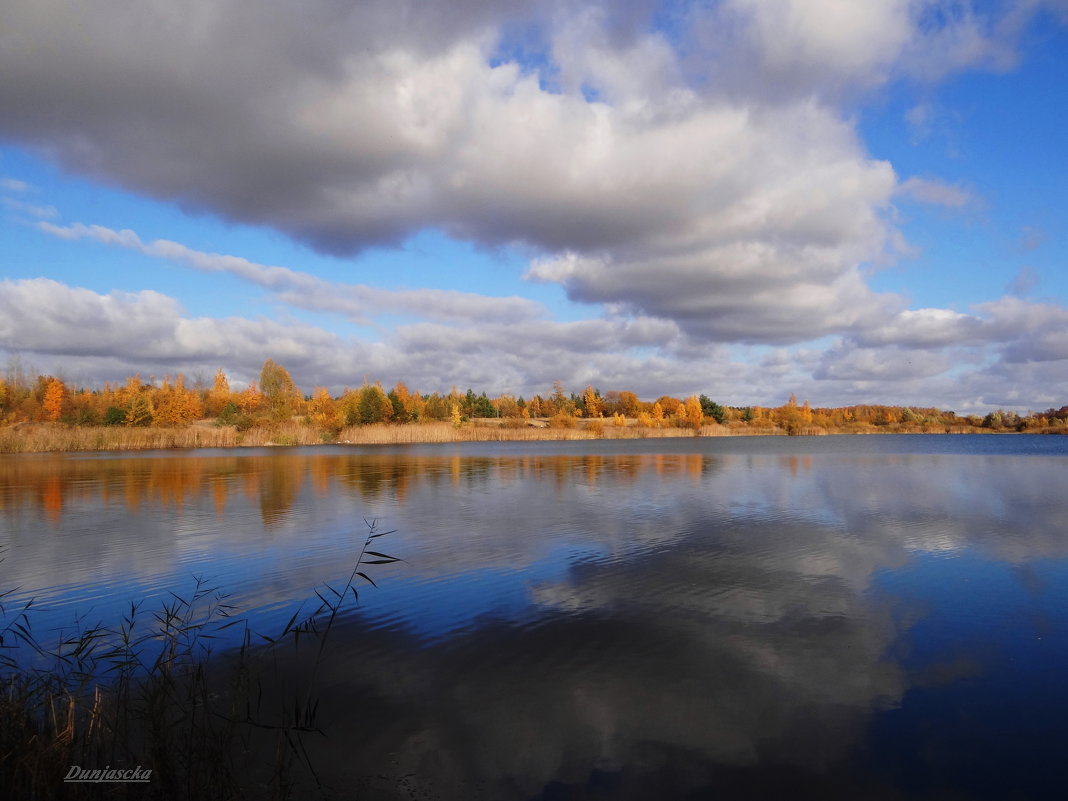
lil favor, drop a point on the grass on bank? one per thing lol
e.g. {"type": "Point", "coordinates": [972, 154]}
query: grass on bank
{"type": "Point", "coordinates": [149, 692]}
{"type": "Point", "coordinates": [58, 437]}
{"type": "Point", "coordinates": [51, 437]}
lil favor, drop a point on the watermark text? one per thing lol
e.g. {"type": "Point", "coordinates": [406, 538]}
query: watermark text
{"type": "Point", "coordinates": [109, 774]}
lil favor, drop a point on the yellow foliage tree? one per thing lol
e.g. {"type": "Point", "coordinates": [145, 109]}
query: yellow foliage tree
{"type": "Point", "coordinates": [130, 390]}
{"type": "Point", "coordinates": [789, 416]}
{"type": "Point", "coordinates": [658, 414]}
{"type": "Point", "coordinates": [629, 405]}
{"type": "Point", "coordinates": [506, 406]}
{"type": "Point", "coordinates": [323, 411]}
{"type": "Point", "coordinates": [139, 411]}
{"type": "Point", "coordinates": [593, 403]}
{"type": "Point", "coordinates": [691, 414]}
{"type": "Point", "coordinates": [219, 395]}
{"type": "Point", "coordinates": [281, 397]}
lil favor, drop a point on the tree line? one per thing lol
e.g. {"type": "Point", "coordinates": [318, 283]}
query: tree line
{"type": "Point", "coordinates": [274, 398]}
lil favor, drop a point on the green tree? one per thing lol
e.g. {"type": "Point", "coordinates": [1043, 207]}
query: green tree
{"type": "Point", "coordinates": [373, 405]}
{"type": "Point", "coordinates": [138, 411]}
{"type": "Point", "coordinates": [468, 404]}
{"type": "Point", "coordinates": [400, 413]}
{"type": "Point", "coordinates": [280, 394]}
{"type": "Point", "coordinates": [437, 407]}
{"type": "Point", "coordinates": [712, 409]}
{"type": "Point", "coordinates": [114, 416]}
{"type": "Point", "coordinates": [483, 407]}
{"type": "Point", "coordinates": [560, 401]}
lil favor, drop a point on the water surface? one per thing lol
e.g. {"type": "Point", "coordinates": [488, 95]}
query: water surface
{"type": "Point", "coordinates": [834, 617]}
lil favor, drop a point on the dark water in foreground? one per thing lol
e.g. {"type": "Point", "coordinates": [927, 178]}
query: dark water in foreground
{"type": "Point", "coordinates": [836, 617]}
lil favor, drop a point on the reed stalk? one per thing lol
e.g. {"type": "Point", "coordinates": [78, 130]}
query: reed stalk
{"type": "Point", "coordinates": [149, 691]}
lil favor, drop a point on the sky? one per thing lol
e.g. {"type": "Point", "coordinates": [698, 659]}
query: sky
{"type": "Point", "coordinates": [854, 202]}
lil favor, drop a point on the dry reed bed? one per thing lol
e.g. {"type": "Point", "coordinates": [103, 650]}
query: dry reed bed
{"type": "Point", "coordinates": [41, 437]}
{"type": "Point", "coordinates": [490, 432]}
{"type": "Point", "coordinates": [35, 438]}
{"type": "Point", "coordinates": [54, 437]}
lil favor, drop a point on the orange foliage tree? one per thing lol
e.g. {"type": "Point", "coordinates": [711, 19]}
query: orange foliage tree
{"type": "Point", "coordinates": [323, 411]}
{"type": "Point", "coordinates": [669, 405]}
{"type": "Point", "coordinates": [175, 405]}
{"type": "Point", "coordinates": [54, 396]}
{"type": "Point", "coordinates": [250, 399]}
{"type": "Point", "coordinates": [691, 414]}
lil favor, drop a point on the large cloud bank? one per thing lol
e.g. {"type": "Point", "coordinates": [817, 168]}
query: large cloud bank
{"type": "Point", "coordinates": [691, 170]}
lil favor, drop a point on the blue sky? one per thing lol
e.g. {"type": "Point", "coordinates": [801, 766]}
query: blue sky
{"type": "Point", "coordinates": [854, 202]}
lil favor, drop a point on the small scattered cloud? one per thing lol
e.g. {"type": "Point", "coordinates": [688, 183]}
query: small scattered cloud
{"type": "Point", "coordinates": [920, 119]}
{"type": "Point", "coordinates": [935, 192]}
{"type": "Point", "coordinates": [950, 38]}
{"type": "Point", "coordinates": [1033, 237]}
{"type": "Point", "coordinates": [1025, 280]}
{"type": "Point", "coordinates": [357, 302]}
{"type": "Point", "coordinates": [932, 121]}
{"type": "Point", "coordinates": [38, 212]}
{"type": "Point", "coordinates": [13, 185]}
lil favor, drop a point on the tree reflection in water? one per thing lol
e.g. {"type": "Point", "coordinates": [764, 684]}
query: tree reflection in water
{"type": "Point", "coordinates": [846, 619]}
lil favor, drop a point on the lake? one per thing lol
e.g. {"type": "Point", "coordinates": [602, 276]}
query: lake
{"type": "Point", "coordinates": [752, 617]}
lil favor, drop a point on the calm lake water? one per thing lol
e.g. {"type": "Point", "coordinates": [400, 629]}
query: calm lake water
{"type": "Point", "coordinates": [833, 617]}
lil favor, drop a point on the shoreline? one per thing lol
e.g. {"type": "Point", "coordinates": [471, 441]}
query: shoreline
{"type": "Point", "coordinates": [61, 438]}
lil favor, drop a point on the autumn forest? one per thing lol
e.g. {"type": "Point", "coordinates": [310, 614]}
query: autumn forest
{"type": "Point", "coordinates": [44, 412]}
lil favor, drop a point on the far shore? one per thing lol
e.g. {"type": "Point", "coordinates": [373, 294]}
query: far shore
{"type": "Point", "coordinates": [58, 437]}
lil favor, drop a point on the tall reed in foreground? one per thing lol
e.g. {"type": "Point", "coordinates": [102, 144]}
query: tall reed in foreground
{"type": "Point", "coordinates": [152, 694]}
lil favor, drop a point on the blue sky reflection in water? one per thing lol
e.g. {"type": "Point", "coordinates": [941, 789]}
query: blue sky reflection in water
{"type": "Point", "coordinates": [837, 617]}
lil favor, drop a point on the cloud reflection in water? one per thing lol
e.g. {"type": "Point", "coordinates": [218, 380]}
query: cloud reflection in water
{"type": "Point", "coordinates": [707, 617]}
